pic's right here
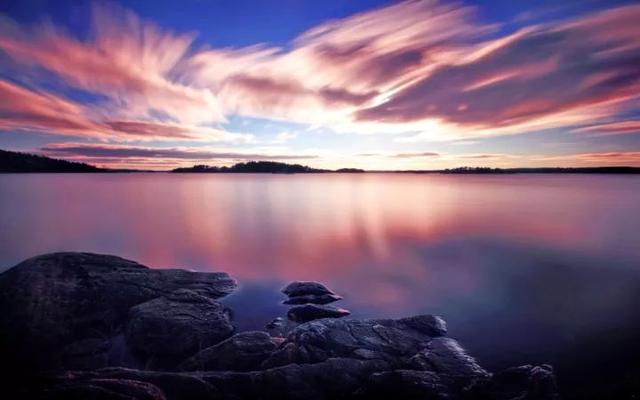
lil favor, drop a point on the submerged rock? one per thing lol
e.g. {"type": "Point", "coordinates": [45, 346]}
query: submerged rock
{"type": "Point", "coordinates": [309, 312]}
{"type": "Point", "coordinates": [241, 352]}
{"type": "Point", "coordinates": [50, 302]}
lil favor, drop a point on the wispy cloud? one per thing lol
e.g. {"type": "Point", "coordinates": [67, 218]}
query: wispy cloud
{"type": "Point", "coordinates": [612, 128]}
{"type": "Point", "coordinates": [428, 70]}
{"type": "Point", "coordinates": [175, 153]}
{"type": "Point", "coordinates": [417, 155]}
{"type": "Point", "coordinates": [601, 158]}
{"type": "Point", "coordinates": [543, 76]}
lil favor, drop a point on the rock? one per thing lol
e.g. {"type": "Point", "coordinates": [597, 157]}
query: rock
{"type": "Point", "coordinates": [83, 311]}
{"type": "Point", "coordinates": [55, 300]}
{"type": "Point", "coordinates": [304, 288]}
{"type": "Point", "coordinates": [405, 384]}
{"type": "Point", "coordinates": [172, 385]}
{"type": "Point", "coordinates": [86, 354]}
{"type": "Point", "coordinates": [395, 341]}
{"type": "Point", "coordinates": [322, 359]}
{"type": "Point", "coordinates": [276, 323]}
{"type": "Point", "coordinates": [104, 389]}
{"type": "Point", "coordinates": [445, 356]}
{"type": "Point", "coordinates": [276, 327]}
{"type": "Point", "coordinates": [241, 352]}
{"type": "Point", "coordinates": [523, 383]}
{"type": "Point", "coordinates": [313, 299]}
{"type": "Point", "coordinates": [177, 325]}
{"type": "Point", "coordinates": [432, 325]}
{"type": "Point", "coordinates": [309, 312]}
{"type": "Point", "coordinates": [336, 378]}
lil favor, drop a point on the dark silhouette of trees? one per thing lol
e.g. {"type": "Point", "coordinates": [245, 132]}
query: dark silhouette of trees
{"type": "Point", "coordinates": [11, 161]}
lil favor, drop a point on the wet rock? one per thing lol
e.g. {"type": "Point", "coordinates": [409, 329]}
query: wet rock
{"type": "Point", "coordinates": [445, 356]}
{"type": "Point", "coordinates": [312, 299]}
{"type": "Point", "coordinates": [405, 384]}
{"type": "Point", "coordinates": [334, 378]}
{"type": "Point", "coordinates": [104, 389]}
{"type": "Point", "coordinates": [276, 327]}
{"type": "Point", "coordinates": [276, 323]}
{"type": "Point", "coordinates": [432, 325]}
{"type": "Point", "coordinates": [242, 352]}
{"type": "Point", "coordinates": [309, 312]}
{"type": "Point", "coordinates": [172, 385]}
{"type": "Point", "coordinates": [337, 378]}
{"type": "Point", "coordinates": [395, 341]}
{"type": "Point", "coordinates": [51, 301]}
{"type": "Point", "coordinates": [81, 311]}
{"type": "Point", "coordinates": [525, 382]}
{"type": "Point", "coordinates": [304, 288]}
{"type": "Point", "coordinates": [86, 354]}
{"type": "Point", "coordinates": [177, 325]}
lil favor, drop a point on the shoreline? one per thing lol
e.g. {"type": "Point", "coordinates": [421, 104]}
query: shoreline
{"type": "Point", "coordinates": [135, 327]}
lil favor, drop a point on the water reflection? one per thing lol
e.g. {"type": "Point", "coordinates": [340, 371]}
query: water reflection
{"type": "Point", "coordinates": [524, 267]}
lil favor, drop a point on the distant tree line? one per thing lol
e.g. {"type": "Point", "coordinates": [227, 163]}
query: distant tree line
{"type": "Point", "coordinates": [271, 167]}
{"type": "Point", "coordinates": [11, 161]}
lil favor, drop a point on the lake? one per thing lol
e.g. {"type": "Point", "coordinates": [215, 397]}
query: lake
{"type": "Point", "coordinates": [525, 268]}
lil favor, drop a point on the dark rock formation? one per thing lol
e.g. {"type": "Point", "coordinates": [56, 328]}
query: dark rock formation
{"type": "Point", "coordinates": [334, 378]}
{"type": "Point", "coordinates": [176, 326]}
{"type": "Point", "coordinates": [242, 352]}
{"type": "Point", "coordinates": [304, 288]}
{"type": "Point", "coordinates": [309, 312]}
{"type": "Point", "coordinates": [276, 323]}
{"type": "Point", "coordinates": [63, 309]}
{"type": "Point", "coordinates": [276, 327]}
{"type": "Point", "coordinates": [82, 312]}
{"type": "Point", "coordinates": [103, 389]}
{"type": "Point", "coordinates": [394, 341]}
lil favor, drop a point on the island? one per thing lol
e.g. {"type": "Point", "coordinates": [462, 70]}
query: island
{"type": "Point", "coordinates": [260, 167]}
{"type": "Point", "coordinates": [13, 162]}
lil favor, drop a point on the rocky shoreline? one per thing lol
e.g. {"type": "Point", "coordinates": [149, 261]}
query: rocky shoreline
{"type": "Point", "coordinates": [90, 326]}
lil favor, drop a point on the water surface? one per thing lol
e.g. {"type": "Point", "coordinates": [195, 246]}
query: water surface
{"type": "Point", "coordinates": [525, 268]}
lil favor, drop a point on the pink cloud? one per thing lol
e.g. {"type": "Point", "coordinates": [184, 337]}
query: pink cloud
{"type": "Point", "coordinates": [128, 60]}
{"type": "Point", "coordinates": [25, 109]}
{"type": "Point", "coordinates": [612, 158]}
{"type": "Point", "coordinates": [425, 67]}
{"type": "Point", "coordinates": [613, 128]}
{"type": "Point", "coordinates": [108, 154]}
{"type": "Point", "coordinates": [542, 72]}
{"type": "Point", "coordinates": [21, 108]}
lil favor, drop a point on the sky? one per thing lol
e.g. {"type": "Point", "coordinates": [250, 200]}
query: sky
{"type": "Point", "coordinates": [368, 84]}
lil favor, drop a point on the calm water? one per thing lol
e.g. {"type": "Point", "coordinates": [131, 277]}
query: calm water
{"type": "Point", "coordinates": [525, 268]}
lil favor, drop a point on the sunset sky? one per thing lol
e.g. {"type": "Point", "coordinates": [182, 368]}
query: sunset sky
{"type": "Point", "coordinates": [332, 83]}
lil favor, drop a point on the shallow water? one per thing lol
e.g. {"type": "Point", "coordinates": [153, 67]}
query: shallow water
{"type": "Point", "coordinates": [525, 268]}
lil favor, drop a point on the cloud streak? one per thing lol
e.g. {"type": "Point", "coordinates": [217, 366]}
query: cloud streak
{"type": "Point", "coordinates": [425, 70]}
{"type": "Point", "coordinates": [542, 76]}
{"type": "Point", "coordinates": [165, 153]}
